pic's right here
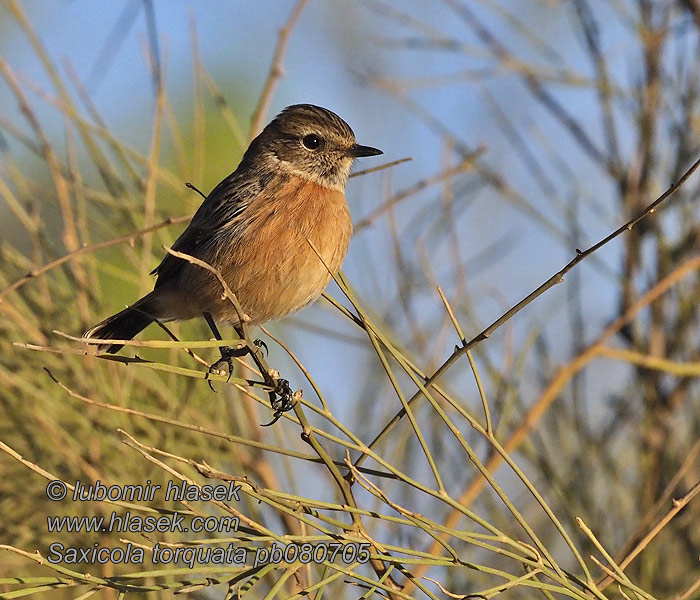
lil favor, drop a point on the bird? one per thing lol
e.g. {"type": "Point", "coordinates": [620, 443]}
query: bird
{"type": "Point", "coordinates": [275, 229]}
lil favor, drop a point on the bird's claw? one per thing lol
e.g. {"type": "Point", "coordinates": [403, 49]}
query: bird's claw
{"type": "Point", "coordinates": [281, 395]}
{"type": "Point", "coordinates": [217, 368]}
{"type": "Point", "coordinates": [280, 400]}
{"type": "Point", "coordinates": [261, 344]}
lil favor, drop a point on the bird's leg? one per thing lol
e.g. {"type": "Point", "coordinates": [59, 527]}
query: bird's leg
{"type": "Point", "coordinates": [227, 353]}
{"type": "Point", "coordinates": [280, 393]}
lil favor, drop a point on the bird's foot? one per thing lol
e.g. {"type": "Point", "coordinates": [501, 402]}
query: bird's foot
{"type": "Point", "coordinates": [226, 360]}
{"type": "Point", "coordinates": [260, 344]}
{"type": "Point", "coordinates": [281, 400]}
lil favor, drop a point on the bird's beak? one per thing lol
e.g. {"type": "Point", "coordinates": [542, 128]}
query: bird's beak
{"type": "Point", "coordinates": [357, 151]}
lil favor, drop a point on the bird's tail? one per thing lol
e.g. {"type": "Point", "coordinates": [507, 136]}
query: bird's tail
{"type": "Point", "coordinates": [125, 324]}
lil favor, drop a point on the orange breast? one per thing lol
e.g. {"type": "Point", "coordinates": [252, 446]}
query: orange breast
{"type": "Point", "coordinates": [272, 267]}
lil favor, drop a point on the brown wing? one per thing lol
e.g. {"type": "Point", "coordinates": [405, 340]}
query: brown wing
{"type": "Point", "coordinates": [224, 203]}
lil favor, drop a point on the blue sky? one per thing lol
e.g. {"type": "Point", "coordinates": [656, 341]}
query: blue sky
{"type": "Point", "coordinates": [334, 45]}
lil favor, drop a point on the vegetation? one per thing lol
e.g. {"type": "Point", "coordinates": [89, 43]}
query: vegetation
{"type": "Point", "coordinates": [552, 453]}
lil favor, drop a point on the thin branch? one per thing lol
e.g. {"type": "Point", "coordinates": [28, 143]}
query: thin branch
{"type": "Point", "coordinates": [657, 363]}
{"type": "Point", "coordinates": [276, 71]}
{"type": "Point", "coordinates": [551, 282]}
{"type": "Point", "coordinates": [393, 163]}
{"type": "Point", "coordinates": [34, 273]}
{"type": "Point", "coordinates": [678, 505]}
{"type": "Point", "coordinates": [560, 380]}
{"type": "Point", "coordinates": [464, 165]}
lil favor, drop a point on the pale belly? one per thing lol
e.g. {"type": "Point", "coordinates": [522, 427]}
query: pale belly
{"type": "Point", "coordinates": [297, 280]}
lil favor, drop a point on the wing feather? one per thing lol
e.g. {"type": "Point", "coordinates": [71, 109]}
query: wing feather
{"type": "Point", "coordinates": [223, 204]}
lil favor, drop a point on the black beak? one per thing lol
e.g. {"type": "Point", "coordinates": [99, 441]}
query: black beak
{"type": "Point", "coordinates": [357, 151]}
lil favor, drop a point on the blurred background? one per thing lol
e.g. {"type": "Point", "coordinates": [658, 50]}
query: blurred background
{"type": "Point", "coordinates": [534, 129]}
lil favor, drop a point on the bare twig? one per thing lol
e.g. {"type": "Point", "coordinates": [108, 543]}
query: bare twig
{"type": "Point", "coordinates": [276, 71]}
{"type": "Point", "coordinates": [130, 237]}
{"type": "Point", "coordinates": [678, 505]}
{"type": "Point", "coordinates": [559, 381]}
{"type": "Point", "coordinates": [443, 175]}
{"type": "Point", "coordinates": [551, 282]}
{"type": "Point", "coordinates": [393, 163]}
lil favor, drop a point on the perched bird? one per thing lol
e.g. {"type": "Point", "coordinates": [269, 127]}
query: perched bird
{"type": "Point", "coordinates": [255, 227]}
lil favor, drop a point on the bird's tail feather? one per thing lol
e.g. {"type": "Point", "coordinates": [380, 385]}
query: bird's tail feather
{"type": "Point", "coordinates": [124, 325]}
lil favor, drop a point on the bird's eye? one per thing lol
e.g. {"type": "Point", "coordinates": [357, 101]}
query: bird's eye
{"type": "Point", "coordinates": [311, 141]}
